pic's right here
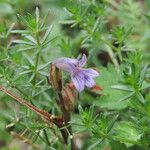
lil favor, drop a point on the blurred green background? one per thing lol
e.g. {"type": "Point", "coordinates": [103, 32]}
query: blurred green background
{"type": "Point", "coordinates": [71, 35]}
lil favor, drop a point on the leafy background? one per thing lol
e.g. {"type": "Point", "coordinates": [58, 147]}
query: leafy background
{"type": "Point", "coordinates": [114, 34]}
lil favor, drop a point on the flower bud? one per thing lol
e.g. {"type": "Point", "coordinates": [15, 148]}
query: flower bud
{"type": "Point", "coordinates": [97, 90]}
{"type": "Point", "coordinates": [69, 95]}
{"type": "Point", "coordinates": [55, 78]}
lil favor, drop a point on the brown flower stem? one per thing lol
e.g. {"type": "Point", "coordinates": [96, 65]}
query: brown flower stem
{"type": "Point", "coordinates": [55, 80]}
{"type": "Point", "coordinates": [67, 118]}
{"type": "Point", "coordinates": [57, 120]}
{"type": "Point", "coordinates": [49, 118]}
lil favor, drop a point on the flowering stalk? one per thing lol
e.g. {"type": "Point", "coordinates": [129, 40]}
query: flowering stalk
{"type": "Point", "coordinates": [56, 83]}
{"type": "Point", "coordinates": [67, 94]}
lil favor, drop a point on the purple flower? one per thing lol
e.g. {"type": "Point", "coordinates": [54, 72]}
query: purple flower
{"type": "Point", "coordinates": [81, 77]}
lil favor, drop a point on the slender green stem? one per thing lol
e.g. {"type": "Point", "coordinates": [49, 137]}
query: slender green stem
{"type": "Point", "coordinates": [37, 56]}
{"type": "Point", "coordinates": [119, 51]}
{"type": "Point", "coordinates": [113, 59]}
{"type": "Point", "coordinates": [109, 44]}
{"type": "Point", "coordinates": [46, 137]}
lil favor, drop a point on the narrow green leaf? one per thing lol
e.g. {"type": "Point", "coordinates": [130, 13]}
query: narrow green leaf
{"type": "Point", "coordinates": [31, 78]}
{"type": "Point", "coordinates": [31, 62]}
{"type": "Point", "coordinates": [145, 86]}
{"type": "Point", "coordinates": [45, 43]}
{"type": "Point", "coordinates": [44, 73]}
{"type": "Point", "coordinates": [80, 109]}
{"type": "Point", "coordinates": [67, 22]}
{"type": "Point", "coordinates": [95, 144]}
{"type": "Point", "coordinates": [37, 14]}
{"type": "Point", "coordinates": [25, 72]}
{"type": "Point", "coordinates": [142, 76]}
{"type": "Point", "coordinates": [127, 96]}
{"type": "Point", "coordinates": [24, 21]}
{"type": "Point", "coordinates": [122, 87]}
{"type": "Point", "coordinates": [25, 67]}
{"type": "Point", "coordinates": [68, 12]}
{"type": "Point", "coordinates": [140, 97]}
{"type": "Point", "coordinates": [43, 66]}
{"type": "Point", "coordinates": [31, 39]}
{"type": "Point", "coordinates": [96, 24]}
{"type": "Point", "coordinates": [22, 42]}
{"type": "Point", "coordinates": [112, 123]}
{"type": "Point", "coordinates": [10, 29]}
{"type": "Point", "coordinates": [25, 49]}
{"type": "Point", "coordinates": [20, 31]}
{"type": "Point", "coordinates": [44, 20]}
{"type": "Point", "coordinates": [47, 33]}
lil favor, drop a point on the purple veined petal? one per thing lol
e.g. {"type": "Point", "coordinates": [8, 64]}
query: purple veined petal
{"type": "Point", "coordinates": [66, 64]}
{"type": "Point", "coordinates": [82, 61]}
{"type": "Point", "coordinates": [67, 60]}
{"type": "Point", "coordinates": [89, 82]}
{"type": "Point", "coordinates": [72, 60]}
{"type": "Point", "coordinates": [78, 82]}
{"type": "Point", "coordinates": [90, 72]}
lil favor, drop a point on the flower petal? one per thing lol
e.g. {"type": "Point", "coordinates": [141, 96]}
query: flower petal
{"type": "Point", "coordinates": [78, 82]}
{"type": "Point", "coordinates": [90, 72]}
{"type": "Point", "coordinates": [89, 82]}
{"type": "Point", "coordinates": [82, 61]}
{"type": "Point", "coordinates": [66, 64]}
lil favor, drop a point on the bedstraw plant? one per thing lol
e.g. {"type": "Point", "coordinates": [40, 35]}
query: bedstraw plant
{"type": "Point", "coordinates": [75, 75]}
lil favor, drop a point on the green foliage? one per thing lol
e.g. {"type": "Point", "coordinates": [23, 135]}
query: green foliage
{"type": "Point", "coordinates": [110, 98]}
{"type": "Point", "coordinates": [115, 37]}
{"type": "Point", "coordinates": [127, 133]}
